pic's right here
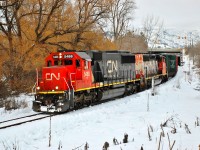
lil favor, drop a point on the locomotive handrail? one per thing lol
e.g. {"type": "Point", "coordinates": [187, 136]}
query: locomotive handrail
{"type": "Point", "coordinates": [71, 82]}
{"type": "Point", "coordinates": [33, 88]}
{"type": "Point", "coordinates": [68, 87]}
{"type": "Point", "coordinates": [98, 77]}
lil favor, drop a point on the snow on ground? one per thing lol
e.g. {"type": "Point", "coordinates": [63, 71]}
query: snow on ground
{"type": "Point", "coordinates": [6, 115]}
{"type": "Point", "coordinates": [176, 101]}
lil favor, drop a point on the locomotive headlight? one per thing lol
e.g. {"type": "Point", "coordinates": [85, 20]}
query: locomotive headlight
{"type": "Point", "coordinates": [38, 88]}
{"type": "Point", "coordinates": [60, 55]}
{"type": "Point", "coordinates": [60, 104]}
{"type": "Point", "coordinates": [56, 87]}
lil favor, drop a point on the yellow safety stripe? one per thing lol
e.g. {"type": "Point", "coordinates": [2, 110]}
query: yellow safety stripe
{"type": "Point", "coordinates": [117, 83]}
{"type": "Point", "coordinates": [98, 86]}
{"type": "Point", "coordinates": [52, 92]}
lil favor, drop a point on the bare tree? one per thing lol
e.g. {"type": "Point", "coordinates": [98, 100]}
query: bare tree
{"type": "Point", "coordinates": [83, 17]}
{"type": "Point", "coordinates": [11, 31]}
{"type": "Point", "coordinates": [133, 42]}
{"type": "Point", "coordinates": [194, 53]}
{"type": "Point", "coordinates": [118, 17]}
{"type": "Point", "coordinates": [89, 13]}
{"type": "Point", "coordinates": [152, 30]}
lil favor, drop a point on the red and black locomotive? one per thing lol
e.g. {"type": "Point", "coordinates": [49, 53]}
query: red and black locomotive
{"type": "Point", "coordinates": [72, 79]}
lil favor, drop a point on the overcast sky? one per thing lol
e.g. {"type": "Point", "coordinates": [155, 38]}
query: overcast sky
{"type": "Point", "coordinates": [180, 14]}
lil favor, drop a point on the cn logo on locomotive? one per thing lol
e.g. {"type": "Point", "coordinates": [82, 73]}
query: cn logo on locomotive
{"type": "Point", "coordinates": [172, 63]}
{"type": "Point", "coordinates": [50, 76]}
{"type": "Point", "coordinates": [86, 74]}
{"type": "Point", "coordinates": [112, 66]}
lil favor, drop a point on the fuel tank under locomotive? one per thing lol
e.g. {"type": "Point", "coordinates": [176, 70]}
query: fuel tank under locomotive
{"type": "Point", "coordinates": [112, 92]}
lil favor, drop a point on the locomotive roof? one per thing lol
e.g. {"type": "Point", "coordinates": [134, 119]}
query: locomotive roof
{"type": "Point", "coordinates": [84, 56]}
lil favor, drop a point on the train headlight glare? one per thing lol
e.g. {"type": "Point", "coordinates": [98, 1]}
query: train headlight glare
{"type": "Point", "coordinates": [38, 88]}
{"type": "Point", "coordinates": [60, 55]}
{"type": "Point", "coordinates": [56, 87]}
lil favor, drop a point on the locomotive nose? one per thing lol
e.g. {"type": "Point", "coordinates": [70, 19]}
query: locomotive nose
{"type": "Point", "coordinates": [54, 79]}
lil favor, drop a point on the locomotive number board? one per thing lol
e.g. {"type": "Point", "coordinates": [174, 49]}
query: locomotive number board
{"type": "Point", "coordinates": [65, 56]}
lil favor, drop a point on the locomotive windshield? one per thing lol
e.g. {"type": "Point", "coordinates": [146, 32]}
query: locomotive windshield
{"type": "Point", "coordinates": [64, 62]}
{"type": "Point", "coordinates": [67, 62]}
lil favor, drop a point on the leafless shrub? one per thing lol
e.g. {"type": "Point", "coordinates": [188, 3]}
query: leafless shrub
{"type": "Point", "coordinates": [77, 148]}
{"type": "Point", "coordinates": [149, 135]}
{"type": "Point", "coordinates": [173, 130]}
{"type": "Point", "coordinates": [7, 146]}
{"type": "Point", "coordinates": [60, 145]}
{"type": "Point", "coordinates": [159, 141]}
{"type": "Point", "coordinates": [165, 123]}
{"type": "Point", "coordinates": [133, 140]}
{"type": "Point", "coordinates": [4, 92]}
{"type": "Point", "coordinates": [12, 104]}
{"type": "Point", "coordinates": [125, 140]}
{"type": "Point", "coordinates": [23, 104]}
{"type": "Point", "coordinates": [115, 141]}
{"type": "Point", "coordinates": [163, 133]}
{"type": "Point", "coordinates": [151, 128]}
{"type": "Point", "coordinates": [197, 122]}
{"type": "Point", "coordinates": [187, 129]}
{"type": "Point", "coordinates": [178, 85]}
{"type": "Point", "coordinates": [171, 121]}
{"type": "Point", "coordinates": [86, 146]}
{"type": "Point", "coordinates": [142, 148]}
{"type": "Point", "coordinates": [170, 147]}
{"type": "Point", "coordinates": [105, 146]}
{"type": "Point", "coordinates": [194, 53]}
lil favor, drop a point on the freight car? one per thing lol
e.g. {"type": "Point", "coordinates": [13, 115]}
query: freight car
{"type": "Point", "coordinates": [172, 64]}
{"type": "Point", "coordinates": [72, 79]}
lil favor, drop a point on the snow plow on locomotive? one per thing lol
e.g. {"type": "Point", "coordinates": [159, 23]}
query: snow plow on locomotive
{"type": "Point", "coordinates": [72, 79]}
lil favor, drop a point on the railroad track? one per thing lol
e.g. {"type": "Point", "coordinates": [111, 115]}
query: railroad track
{"type": "Point", "coordinates": [39, 116]}
{"type": "Point", "coordinates": [23, 120]}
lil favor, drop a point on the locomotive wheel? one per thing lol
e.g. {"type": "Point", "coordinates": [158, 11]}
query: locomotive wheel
{"type": "Point", "coordinates": [99, 95]}
{"type": "Point", "coordinates": [78, 105]}
{"type": "Point", "coordinates": [88, 103]}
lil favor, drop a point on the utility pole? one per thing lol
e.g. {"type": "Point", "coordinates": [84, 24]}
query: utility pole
{"type": "Point", "coordinates": [50, 131]}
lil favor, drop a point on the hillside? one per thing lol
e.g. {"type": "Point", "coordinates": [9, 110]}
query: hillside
{"type": "Point", "coordinates": [174, 38]}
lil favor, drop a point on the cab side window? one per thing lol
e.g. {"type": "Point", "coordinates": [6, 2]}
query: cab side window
{"type": "Point", "coordinates": [49, 63]}
{"type": "Point", "coordinates": [57, 62]}
{"type": "Point", "coordinates": [78, 63]}
{"type": "Point", "coordinates": [86, 64]}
